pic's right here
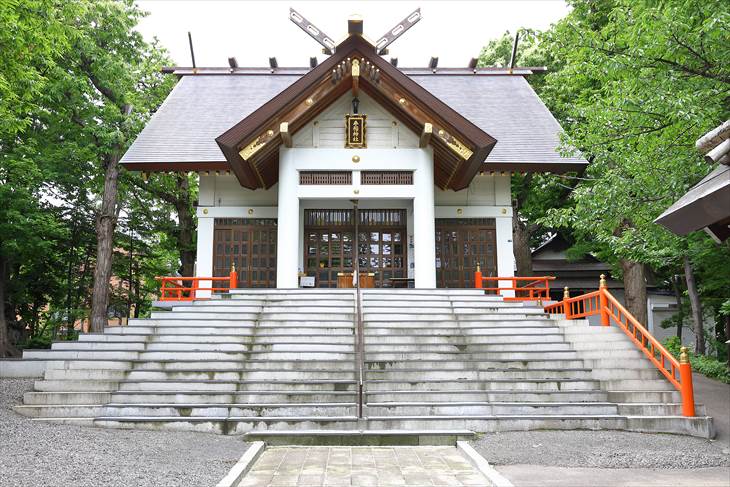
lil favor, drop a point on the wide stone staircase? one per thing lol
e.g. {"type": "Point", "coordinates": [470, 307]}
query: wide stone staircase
{"type": "Point", "coordinates": [284, 365]}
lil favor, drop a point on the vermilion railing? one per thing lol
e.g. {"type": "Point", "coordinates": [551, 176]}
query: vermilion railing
{"type": "Point", "coordinates": [603, 303]}
{"type": "Point", "coordinates": [176, 289]}
{"type": "Point", "coordinates": [525, 288]}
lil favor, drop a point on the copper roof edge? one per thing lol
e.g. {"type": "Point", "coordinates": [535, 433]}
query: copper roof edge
{"type": "Point", "coordinates": [292, 71]}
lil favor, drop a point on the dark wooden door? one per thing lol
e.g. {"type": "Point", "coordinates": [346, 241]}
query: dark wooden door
{"type": "Point", "coordinates": [461, 243]}
{"type": "Point", "coordinates": [329, 244]}
{"type": "Point", "coordinates": [250, 244]}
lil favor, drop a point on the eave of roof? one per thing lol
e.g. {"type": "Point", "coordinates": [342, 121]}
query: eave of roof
{"type": "Point", "coordinates": [707, 203]}
{"type": "Point", "coordinates": [181, 134]}
{"type": "Point", "coordinates": [396, 92]}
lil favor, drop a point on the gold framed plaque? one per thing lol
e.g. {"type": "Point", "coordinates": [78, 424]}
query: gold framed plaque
{"type": "Point", "coordinates": [355, 128]}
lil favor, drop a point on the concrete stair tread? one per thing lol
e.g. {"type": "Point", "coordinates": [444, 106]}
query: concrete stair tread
{"type": "Point", "coordinates": [232, 405]}
{"type": "Point", "coordinates": [272, 419]}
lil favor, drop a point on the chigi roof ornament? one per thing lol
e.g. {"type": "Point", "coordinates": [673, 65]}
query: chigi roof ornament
{"type": "Point", "coordinates": [354, 27]}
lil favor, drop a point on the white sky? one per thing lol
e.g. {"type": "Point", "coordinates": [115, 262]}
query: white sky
{"type": "Point", "coordinates": [252, 31]}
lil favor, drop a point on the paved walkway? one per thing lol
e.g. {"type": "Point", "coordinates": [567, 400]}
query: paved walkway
{"type": "Point", "coordinates": [424, 466]}
{"type": "Point", "coordinates": [716, 397]}
{"type": "Point", "coordinates": [541, 476]}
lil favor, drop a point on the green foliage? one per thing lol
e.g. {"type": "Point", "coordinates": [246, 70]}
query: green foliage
{"type": "Point", "coordinates": [708, 366]}
{"type": "Point", "coordinates": [69, 68]}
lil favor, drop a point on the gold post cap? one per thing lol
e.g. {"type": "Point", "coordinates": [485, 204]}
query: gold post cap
{"type": "Point", "coordinates": [233, 267]}
{"type": "Point", "coordinates": [566, 292]}
{"type": "Point", "coordinates": [602, 282]}
{"type": "Point", "coordinates": [479, 269]}
{"type": "Point", "coordinates": [683, 355]}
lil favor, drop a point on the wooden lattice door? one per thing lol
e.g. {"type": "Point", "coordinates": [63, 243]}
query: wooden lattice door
{"type": "Point", "coordinates": [461, 243]}
{"type": "Point", "coordinates": [250, 244]}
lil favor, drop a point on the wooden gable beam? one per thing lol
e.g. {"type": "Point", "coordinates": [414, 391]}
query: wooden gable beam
{"type": "Point", "coordinates": [425, 135]}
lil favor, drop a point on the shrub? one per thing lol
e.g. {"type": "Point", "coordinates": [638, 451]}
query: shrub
{"type": "Point", "coordinates": [703, 364]}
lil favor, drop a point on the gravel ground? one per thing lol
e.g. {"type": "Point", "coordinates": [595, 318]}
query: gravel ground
{"type": "Point", "coordinates": [47, 454]}
{"type": "Point", "coordinates": [601, 449]}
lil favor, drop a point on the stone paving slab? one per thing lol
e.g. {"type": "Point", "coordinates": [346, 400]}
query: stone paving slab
{"type": "Point", "coordinates": [422, 466]}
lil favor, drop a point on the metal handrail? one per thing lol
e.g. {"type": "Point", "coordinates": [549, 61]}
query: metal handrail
{"type": "Point", "coordinates": [603, 303]}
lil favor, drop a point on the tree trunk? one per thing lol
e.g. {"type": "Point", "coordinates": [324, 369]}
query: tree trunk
{"type": "Point", "coordinates": [695, 307]}
{"type": "Point", "coordinates": [635, 289]}
{"type": "Point", "coordinates": [4, 335]}
{"type": "Point", "coordinates": [678, 297]}
{"type": "Point", "coordinates": [186, 229]}
{"type": "Point", "coordinates": [106, 223]}
{"type": "Point", "coordinates": [521, 246]}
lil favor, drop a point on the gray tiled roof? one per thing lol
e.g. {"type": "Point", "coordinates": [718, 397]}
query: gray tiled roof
{"type": "Point", "coordinates": [201, 107]}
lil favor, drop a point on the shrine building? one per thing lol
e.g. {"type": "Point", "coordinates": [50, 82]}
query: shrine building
{"type": "Point", "coordinates": [354, 161]}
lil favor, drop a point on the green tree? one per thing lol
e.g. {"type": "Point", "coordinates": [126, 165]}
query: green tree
{"type": "Point", "coordinates": [640, 82]}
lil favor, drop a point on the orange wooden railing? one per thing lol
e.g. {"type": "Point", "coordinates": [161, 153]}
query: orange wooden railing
{"type": "Point", "coordinates": [603, 303]}
{"type": "Point", "coordinates": [175, 289]}
{"type": "Point", "coordinates": [533, 289]}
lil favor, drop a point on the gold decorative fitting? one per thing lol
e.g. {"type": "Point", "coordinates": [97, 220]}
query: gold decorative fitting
{"type": "Point", "coordinates": [269, 132]}
{"type": "Point", "coordinates": [356, 191]}
{"type": "Point", "coordinates": [355, 159]}
{"type": "Point", "coordinates": [463, 151]}
{"type": "Point", "coordinates": [684, 355]}
{"type": "Point", "coordinates": [250, 211]}
{"type": "Point", "coordinates": [402, 101]}
{"type": "Point", "coordinates": [459, 211]}
{"type": "Point", "coordinates": [355, 68]}
{"type": "Point", "coordinates": [309, 102]}
{"type": "Point", "coordinates": [479, 268]}
{"type": "Point", "coordinates": [602, 282]}
{"type": "Point", "coordinates": [566, 292]}
{"type": "Point", "coordinates": [504, 211]}
{"type": "Point", "coordinates": [441, 133]}
{"type": "Point", "coordinates": [252, 148]}
{"type": "Point", "coordinates": [205, 211]}
{"type": "Point", "coordinates": [233, 267]}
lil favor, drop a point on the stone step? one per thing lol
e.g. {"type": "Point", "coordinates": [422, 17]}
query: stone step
{"type": "Point", "coordinates": [202, 316]}
{"type": "Point", "coordinates": [475, 364]}
{"type": "Point", "coordinates": [521, 355]}
{"type": "Point", "coordinates": [106, 337]}
{"type": "Point", "coordinates": [227, 375]}
{"type": "Point", "coordinates": [80, 354]}
{"type": "Point", "coordinates": [360, 437]}
{"type": "Point", "coordinates": [99, 346]}
{"type": "Point", "coordinates": [395, 346]}
{"type": "Point", "coordinates": [59, 411]}
{"type": "Point", "coordinates": [441, 374]}
{"type": "Point", "coordinates": [489, 409]}
{"type": "Point", "coordinates": [657, 409]}
{"type": "Point", "coordinates": [278, 364]}
{"type": "Point", "coordinates": [236, 386]}
{"type": "Point", "coordinates": [228, 424]}
{"type": "Point", "coordinates": [463, 395]}
{"type": "Point", "coordinates": [257, 337]}
{"type": "Point", "coordinates": [637, 384]}
{"type": "Point", "coordinates": [698, 426]}
{"type": "Point", "coordinates": [223, 410]}
{"type": "Point", "coordinates": [455, 331]}
{"type": "Point", "coordinates": [255, 346]}
{"type": "Point", "coordinates": [65, 397]}
{"type": "Point", "coordinates": [240, 356]}
{"type": "Point", "coordinates": [483, 385]}
{"type": "Point", "coordinates": [89, 364]}
{"type": "Point", "coordinates": [80, 385]}
{"type": "Point", "coordinates": [460, 339]}
{"type": "Point", "coordinates": [644, 396]}
{"type": "Point", "coordinates": [238, 397]}
{"type": "Point", "coordinates": [86, 374]}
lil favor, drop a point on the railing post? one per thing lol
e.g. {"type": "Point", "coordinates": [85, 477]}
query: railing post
{"type": "Point", "coordinates": [478, 280]}
{"type": "Point", "coordinates": [233, 283]}
{"type": "Point", "coordinates": [603, 300]}
{"type": "Point", "coordinates": [194, 290]}
{"type": "Point", "coordinates": [566, 304]}
{"type": "Point", "coordinates": [685, 383]}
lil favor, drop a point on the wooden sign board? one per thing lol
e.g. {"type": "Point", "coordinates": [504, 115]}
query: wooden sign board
{"type": "Point", "coordinates": [355, 127]}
